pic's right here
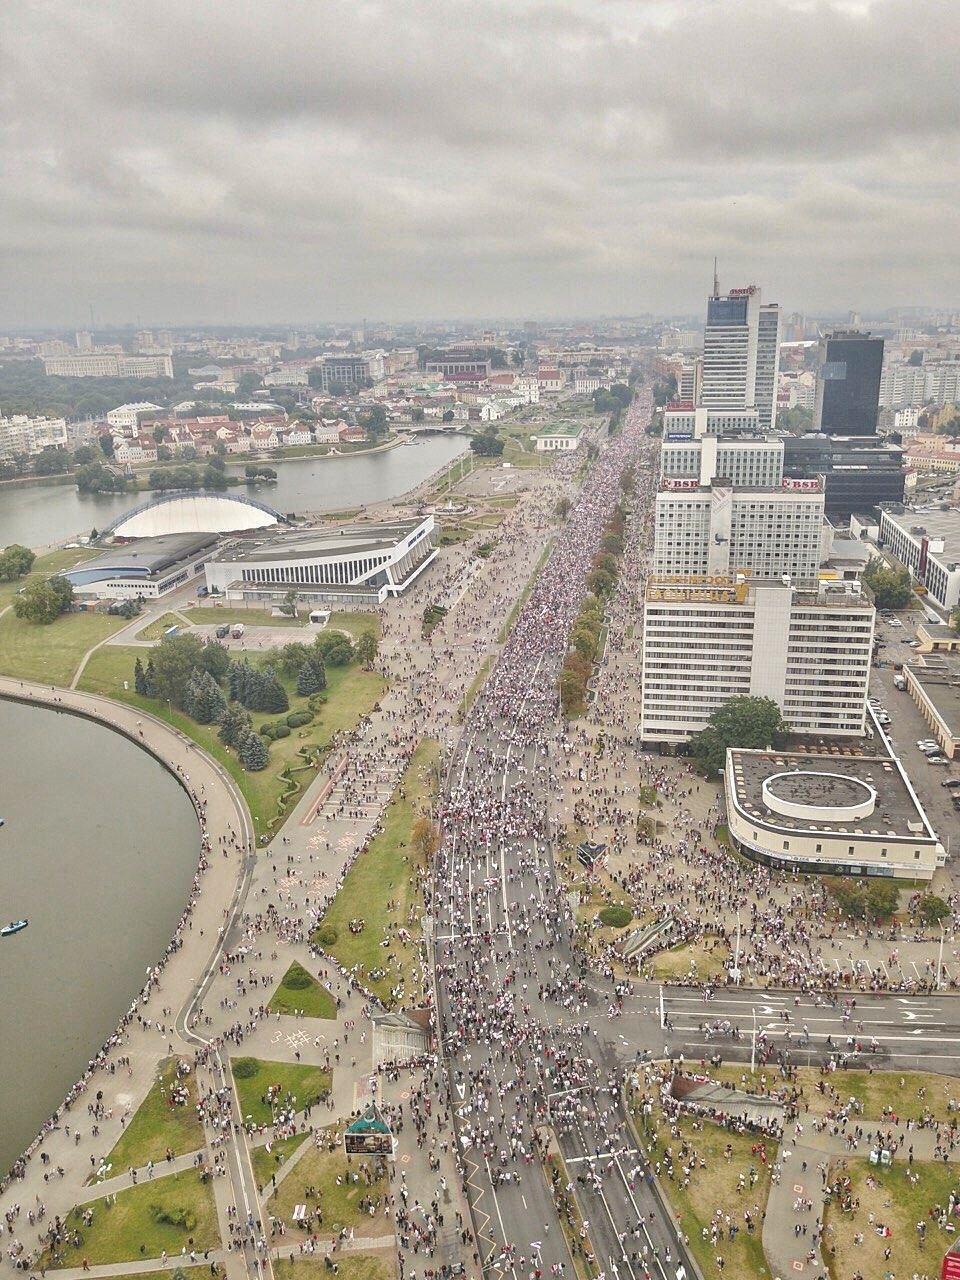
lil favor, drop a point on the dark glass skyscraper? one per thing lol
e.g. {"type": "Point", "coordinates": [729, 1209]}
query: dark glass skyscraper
{"type": "Point", "coordinates": [848, 383]}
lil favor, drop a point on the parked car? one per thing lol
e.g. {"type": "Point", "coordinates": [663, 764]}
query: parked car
{"type": "Point", "coordinates": [952, 783]}
{"type": "Point", "coordinates": [937, 760]}
{"type": "Point", "coordinates": [222, 630]}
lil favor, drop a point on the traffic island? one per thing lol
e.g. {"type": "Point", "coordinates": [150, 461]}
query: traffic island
{"type": "Point", "coordinates": [300, 994]}
{"type": "Point", "coordinates": [328, 1191]}
{"type": "Point", "coordinates": [267, 1089]}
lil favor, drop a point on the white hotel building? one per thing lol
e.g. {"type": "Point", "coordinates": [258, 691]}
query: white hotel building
{"type": "Point", "coordinates": [707, 642]}
{"type": "Point", "coordinates": [718, 531]}
{"type": "Point", "coordinates": [740, 461]}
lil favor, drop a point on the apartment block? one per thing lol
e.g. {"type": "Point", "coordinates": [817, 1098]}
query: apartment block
{"type": "Point", "coordinates": [109, 364]}
{"type": "Point", "coordinates": [705, 643]}
{"type": "Point", "coordinates": [20, 434]}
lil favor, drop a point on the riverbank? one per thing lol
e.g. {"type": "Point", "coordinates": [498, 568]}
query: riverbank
{"type": "Point", "coordinates": [224, 863]}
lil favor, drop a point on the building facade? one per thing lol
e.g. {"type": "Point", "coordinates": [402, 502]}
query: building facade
{"type": "Point", "coordinates": [107, 364]}
{"type": "Point", "coordinates": [707, 642]}
{"type": "Point", "coordinates": [859, 474]}
{"type": "Point", "coordinates": [718, 531]}
{"type": "Point", "coordinates": [741, 354]}
{"type": "Point", "coordinates": [848, 383]}
{"type": "Point", "coordinates": [927, 541]}
{"type": "Point", "coordinates": [744, 463]}
{"type": "Point", "coordinates": [688, 421]}
{"type": "Point", "coordinates": [22, 435]}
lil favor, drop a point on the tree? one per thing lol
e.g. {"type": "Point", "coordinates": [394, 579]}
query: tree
{"type": "Point", "coordinates": [487, 443]}
{"type": "Point", "coordinates": [563, 508]}
{"type": "Point", "coordinates": [424, 838]}
{"type": "Point", "coordinates": [175, 659]}
{"type": "Point", "coordinates": [367, 649]}
{"type": "Point", "coordinates": [890, 586]}
{"type": "Point", "coordinates": [883, 898]}
{"type": "Point", "coordinates": [293, 656]}
{"type": "Point", "coordinates": [43, 600]}
{"type": "Point", "coordinates": [253, 753]}
{"type": "Point", "coordinates": [204, 699]}
{"type": "Point", "coordinates": [213, 477]}
{"type": "Point", "coordinates": [932, 909]}
{"type": "Point", "coordinates": [235, 724]}
{"type": "Point", "coordinates": [140, 679]}
{"type": "Point", "coordinates": [15, 561]}
{"type": "Point", "coordinates": [312, 676]}
{"type": "Point", "coordinates": [741, 722]}
{"type": "Point", "coordinates": [216, 659]}
{"type": "Point", "coordinates": [375, 423]}
{"type": "Point", "coordinates": [335, 648]}
{"type": "Point", "coordinates": [289, 606]}
{"type": "Point", "coordinates": [272, 696]}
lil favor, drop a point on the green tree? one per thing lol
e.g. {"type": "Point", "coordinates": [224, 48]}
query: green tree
{"type": "Point", "coordinates": [752, 723]}
{"type": "Point", "coordinates": [932, 909]}
{"type": "Point", "coordinates": [216, 659]}
{"type": "Point", "coordinates": [213, 477]}
{"type": "Point", "coordinates": [140, 679]}
{"type": "Point", "coordinates": [487, 443]}
{"type": "Point", "coordinates": [311, 677]}
{"type": "Point", "coordinates": [293, 656]}
{"type": "Point", "coordinates": [424, 838]}
{"type": "Point", "coordinates": [15, 561]}
{"type": "Point", "coordinates": [890, 585]}
{"type": "Point", "coordinates": [375, 423]}
{"type": "Point", "coordinates": [883, 898]}
{"type": "Point", "coordinates": [367, 649]}
{"type": "Point", "coordinates": [335, 648]}
{"type": "Point", "coordinates": [235, 724]}
{"type": "Point", "coordinates": [204, 699]}
{"type": "Point", "coordinates": [43, 600]}
{"type": "Point", "coordinates": [253, 753]}
{"type": "Point", "coordinates": [563, 507]}
{"type": "Point", "coordinates": [175, 659]}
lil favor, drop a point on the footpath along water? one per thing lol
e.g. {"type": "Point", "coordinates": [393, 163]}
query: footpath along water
{"type": "Point", "coordinates": [97, 851]}
{"type": "Point", "coordinates": [38, 517]}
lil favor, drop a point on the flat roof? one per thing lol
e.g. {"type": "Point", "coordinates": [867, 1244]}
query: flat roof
{"type": "Point", "coordinates": [938, 674]}
{"type": "Point", "coordinates": [895, 811]}
{"type": "Point", "coordinates": [350, 539]}
{"type": "Point", "coordinates": [152, 554]}
{"type": "Point", "coordinates": [562, 429]}
{"type": "Point", "coordinates": [936, 524]}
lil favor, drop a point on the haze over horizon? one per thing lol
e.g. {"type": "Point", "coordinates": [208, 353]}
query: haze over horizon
{"type": "Point", "coordinates": [225, 163]}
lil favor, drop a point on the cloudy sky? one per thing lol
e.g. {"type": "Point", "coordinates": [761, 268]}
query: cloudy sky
{"type": "Point", "coordinates": [299, 160]}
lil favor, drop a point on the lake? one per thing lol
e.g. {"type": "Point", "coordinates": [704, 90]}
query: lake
{"type": "Point", "coordinates": [38, 517]}
{"type": "Point", "coordinates": [98, 851]}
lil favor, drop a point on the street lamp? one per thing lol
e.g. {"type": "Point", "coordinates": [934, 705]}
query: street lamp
{"type": "Point", "coordinates": [940, 953]}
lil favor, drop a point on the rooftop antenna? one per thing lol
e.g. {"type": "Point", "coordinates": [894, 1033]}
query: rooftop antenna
{"type": "Point", "coordinates": [716, 280]}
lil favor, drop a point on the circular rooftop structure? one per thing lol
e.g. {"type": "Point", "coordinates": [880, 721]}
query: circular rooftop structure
{"type": "Point", "coordinates": [194, 511]}
{"type": "Point", "coordinates": [814, 795]}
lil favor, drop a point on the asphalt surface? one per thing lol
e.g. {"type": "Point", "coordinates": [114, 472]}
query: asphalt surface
{"type": "Point", "coordinates": [517, 1010]}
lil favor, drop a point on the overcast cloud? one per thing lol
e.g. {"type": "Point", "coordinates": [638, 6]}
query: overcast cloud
{"type": "Point", "coordinates": [306, 160]}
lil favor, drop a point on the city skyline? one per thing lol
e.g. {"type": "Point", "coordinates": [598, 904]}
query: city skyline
{"type": "Point", "coordinates": [221, 167]}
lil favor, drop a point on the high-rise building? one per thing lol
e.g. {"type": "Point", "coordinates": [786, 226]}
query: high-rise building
{"type": "Point", "coordinates": [741, 354]}
{"type": "Point", "coordinates": [746, 463]}
{"type": "Point", "coordinates": [84, 340]}
{"type": "Point", "coordinates": [848, 383]}
{"type": "Point", "coordinates": [705, 643]}
{"type": "Point", "coordinates": [716, 531]}
{"type": "Point", "coordinates": [688, 380]}
{"type": "Point", "coordinates": [859, 473]}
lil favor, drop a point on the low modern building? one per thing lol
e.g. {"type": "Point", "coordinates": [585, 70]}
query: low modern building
{"type": "Point", "coordinates": [933, 681]}
{"type": "Point", "coordinates": [354, 564]}
{"type": "Point", "coordinates": [128, 415]}
{"type": "Point", "coordinates": [563, 438]}
{"type": "Point", "coordinates": [837, 815]}
{"type": "Point", "coordinates": [147, 568]}
{"type": "Point", "coordinates": [706, 641]}
{"type": "Point", "coordinates": [927, 541]}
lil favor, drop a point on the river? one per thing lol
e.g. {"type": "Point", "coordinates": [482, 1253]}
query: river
{"type": "Point", "coordinates": [98, 852]}
{"type": "Point", "coordinates": [40, 516]}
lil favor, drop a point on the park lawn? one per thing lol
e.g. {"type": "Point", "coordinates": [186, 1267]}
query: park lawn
{"type": "Point", "coordinates": [213, 615]}
{"type": "Point", "coordinates": [127, 1230]}
{"type": "Point", "coordinates": [383, 874]}
{"type": "Point", "coordinates": [898, 1203]}
{"type": "Point", "coordinates": [45, 565]}
{"type": "Point", "coordinates": [155, 629]}
{"type": "Point", "coordinates": [156, 1125]}
{"type": "Point", "coordinates": [351, 693]}
{"type": "Point", "coordinates": [300, 1085]}
{"type": "Point", "coordinates": [51, 654]}
{"type": "Point", "coordinates": [715, 1188]}
{"type": "Point", "coordinates": [703, 958]}
{"type": "Point", "coordinates": [266, 1163]}
{"type": "Point", "coordinates": [337, 1197]}
{"type": "Point", "coordinates": [311, 998]}
{"type": "Point", "coordinates": [380, 1265]}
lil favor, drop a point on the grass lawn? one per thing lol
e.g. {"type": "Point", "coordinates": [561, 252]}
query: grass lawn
{"type": "Point", "coordinates": [382, 874]}
{"type": "Point", "coordinates": [213, 615]}
{"type": "Point", "coordinates": [898, 1202]}
{"type": "Point", "coordinates": [351, 1266]}
{"type": "Point", "coordinates": [715, 1188]}
{"type": "Point", "coordinates": [299, 1085]}
{"type": "Point", "coordinates": [337, 1196]}
{"type": "Point", "coordinates": [266, 1163]}
{"type": "Point", "coordinates": [874, 1090]}
{"type": "Point", "coordinates": [51, 654]}
{"type": "Point", "coordinates": [157, 1125]}
{"type": "Point", "coordinates": [351, 694]}
{"type": "Point", "coordinates": [704, 958]}
{"type": "Point", "coordinates": [128, 1229]}
{"type": "Point", "coordinates": [155, 629]}
{"type": "Point", "coordinates": [300, 992]}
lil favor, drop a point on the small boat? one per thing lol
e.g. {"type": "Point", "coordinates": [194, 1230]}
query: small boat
{"type": "Point", "coordinates": [13, 927]}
